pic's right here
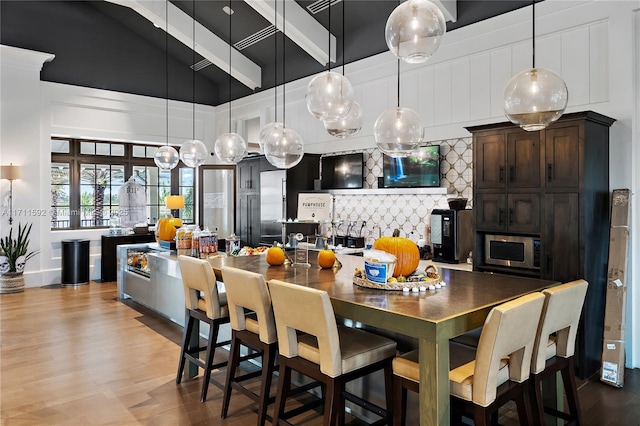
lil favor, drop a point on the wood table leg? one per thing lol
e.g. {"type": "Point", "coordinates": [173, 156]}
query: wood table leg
{"type": "Point", "coordinates": [434, 382]}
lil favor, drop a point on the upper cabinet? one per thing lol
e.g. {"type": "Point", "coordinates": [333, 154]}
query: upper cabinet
{"type": "Point", "coordinates": [506, 159]}
{"type": "Point", "coordinates": [562, 150]}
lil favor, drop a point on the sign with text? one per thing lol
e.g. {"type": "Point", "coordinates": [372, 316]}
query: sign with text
{"type": "Point", "coordinates": [316, 207]}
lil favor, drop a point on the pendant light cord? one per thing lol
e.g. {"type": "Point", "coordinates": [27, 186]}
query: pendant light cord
{"type": "Point", "coordinates": [193, 61]}
{"type": "Point", "coordinates": [229, 85]}
{"type": "Point", "coordinates": [533, 31]}
{"type": "Point", "coordinates": [329, 37]}
{"type": "Point", "coordinates": [343, 37]}
{"type": "Point", "coordinates": [166, 60]}
{"type": "Point", "coordinates": [398, 75]}
{"type": "Point", "coordinates": [284, 68]}
{"type": "Point", "coordinates": [275, 54]}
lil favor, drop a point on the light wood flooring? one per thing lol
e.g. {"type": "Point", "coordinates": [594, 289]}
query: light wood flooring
{"type": "Point", "coordinates": [79, 356]}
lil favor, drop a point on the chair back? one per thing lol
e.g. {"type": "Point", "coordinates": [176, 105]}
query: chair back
{"type": "Point", "coordinates": [509, 331]}
{"type": "Point", "coordinates": [248, 290]}
{"type": "Point", "coordinates": [199, 282]}
{"type": "Point", "coordinates": [300, 308]}
{"type": "Point", "coordinates": [560, 315]}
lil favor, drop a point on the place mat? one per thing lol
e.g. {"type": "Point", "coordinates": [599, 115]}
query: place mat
{"type": "Point", "coordinates": [433, 279]}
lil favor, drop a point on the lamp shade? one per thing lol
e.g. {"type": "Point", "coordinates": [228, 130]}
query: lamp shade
{"type": "Point", "coordinates": [166, 157]}
{"type": "Point", "coordinates": [348, 125]}
{"type": "Point", "coordinates": [174, 202]}
{"type": "Point", "coordinates": [10, 172]}
{"type": "Point", "coordinates": [283, 147]}
{"type": "Point", "coordinates": [193, 153]}
{"type": "Point", "coordinates": [535, 98]}
{"type": "Point", "coordinates": [230, 148]}
{"type": "Point", "coordinates": [329, 96]}
{"type": "Point", "coordinates": [398, 132]}
{"type": "Point", "coordinates": [414, 30]}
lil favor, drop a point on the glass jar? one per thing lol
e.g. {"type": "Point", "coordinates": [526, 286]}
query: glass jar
{"type": "Point", "coordinates": [195, 242]}
{"type": "Point", "coordinates": [183, 240]}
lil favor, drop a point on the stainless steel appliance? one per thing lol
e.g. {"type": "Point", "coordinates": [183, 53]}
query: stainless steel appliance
{"type": "Point", "coordinates": [512, 251]}
{"type": "Point", "coordinates": [451, 235]}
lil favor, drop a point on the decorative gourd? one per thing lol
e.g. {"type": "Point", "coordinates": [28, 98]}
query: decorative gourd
{"type": "Point", "coordinates": [326, 258]}
{"type": "Point", "coordinates": [405, 250]}
{"type": "Point", "coordinates": [275, 256]}
{"type": "Point", "coordinates": [166, 228]}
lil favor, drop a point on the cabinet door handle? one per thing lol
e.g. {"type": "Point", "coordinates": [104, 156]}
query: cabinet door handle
{"type": "Point", "coordinates": [549, 172]}
{"type": "Point", "coordinates": [510, 216]}
{"type": "Point", "coordinates": [501, 174]}
{"type": "Point", "coordinates": [501, 217]}
{"type": "Point", "coordinates": [512, 174]}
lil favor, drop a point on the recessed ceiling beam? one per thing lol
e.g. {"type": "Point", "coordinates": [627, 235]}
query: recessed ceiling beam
{"type": "Point", "coordinates": [449, 9]}
{"type": "Point", "coordinates": [300, 27]}
{"type": "Point", "coordinates": [207, 44]}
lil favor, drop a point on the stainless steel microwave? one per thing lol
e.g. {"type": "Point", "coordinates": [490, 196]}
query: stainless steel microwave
{"type": "Point", "coordinates": [512, 251]}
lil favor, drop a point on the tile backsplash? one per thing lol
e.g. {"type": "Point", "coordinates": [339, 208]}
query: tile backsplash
{"type": "Point", "coordinates": [407, 212]}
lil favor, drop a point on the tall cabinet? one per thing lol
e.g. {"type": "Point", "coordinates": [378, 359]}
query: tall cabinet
{"type": "Point", "coordinates": [553, 185]}
{"type": "Point", "coordinates": [299, 178]}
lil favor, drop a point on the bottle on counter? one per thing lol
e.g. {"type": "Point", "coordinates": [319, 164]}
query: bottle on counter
{"type": "Point", "coordinates": [232, 245]}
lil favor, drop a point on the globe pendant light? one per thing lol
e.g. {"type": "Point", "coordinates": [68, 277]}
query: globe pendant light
{"type": "Point", "coordinates": [193, 153]}
{"type": "Point", "coordinates": [348, 125]}
{"type": "Point", "coordinates": [414, 30]}
{"type": "Point", "coordinates": [536, 97]}
{"type": "Point", "coordinates": [283, 147]}
{"type": "Point", "coordinates": [398, 131]}
{"type": "Point", "coordinates": [166, 157]}
{"type": "Point", "coordinates": [351, 123]}
{"type": "Point", "coordinates": [230, 147]}
{"type": "Point", "coordinates": [329, 94]}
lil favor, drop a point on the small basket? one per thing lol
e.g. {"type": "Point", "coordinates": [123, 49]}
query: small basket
{"type": "Point", "coordinates": [434, 279]}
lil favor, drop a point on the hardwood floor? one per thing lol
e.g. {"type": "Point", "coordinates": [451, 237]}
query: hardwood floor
{"type": "Point", "coordinates": [79, 356]}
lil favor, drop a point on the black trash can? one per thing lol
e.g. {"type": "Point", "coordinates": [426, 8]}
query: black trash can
{"type": "Point", "coordinates": [75, 262]}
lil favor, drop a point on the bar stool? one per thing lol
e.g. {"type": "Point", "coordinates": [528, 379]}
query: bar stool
{"type": "Point", "coordinates": [554, 348]}
{"type": "Point", "coordinates": [202, 303]}
{"type": "Point", "coordinates": [499, 371]}
{"type": "Point", "coordinates": [326, 352]}
{"type": "Point", "coordinates": [248, 291]}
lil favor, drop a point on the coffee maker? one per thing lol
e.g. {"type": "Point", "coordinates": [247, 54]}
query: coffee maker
{"type": "Point", "coordinates": [451, 235]}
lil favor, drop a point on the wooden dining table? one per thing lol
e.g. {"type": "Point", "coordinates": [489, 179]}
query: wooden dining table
{"type": "Point", "coordinates": [432, 317]}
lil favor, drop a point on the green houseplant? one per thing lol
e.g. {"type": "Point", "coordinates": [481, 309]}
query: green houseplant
{"type": "Point", "coordinates": [14, 253]}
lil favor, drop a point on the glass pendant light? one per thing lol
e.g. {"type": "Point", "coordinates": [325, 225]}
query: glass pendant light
{"type": "Point", "coordinates": [351, 123]}
{"type": "Point", "coordinates": [193, 153]}
{"type": "Point", "coordinates": [398, 131]}
{"type": "Point", "coordinates": [166, 157]}
{"type": "Point", "coordinates": [329, 94]}
{"type": "Point", "coordinates": [414, 30]}
{"type": "Point", "coordinates": [283, 147]}
{"type": "Point", "coordinates": [230, 147]}
{"type": "Point", "coordinates": [536, 97]}
{"type": "Point", "coordinates": [348, 125]}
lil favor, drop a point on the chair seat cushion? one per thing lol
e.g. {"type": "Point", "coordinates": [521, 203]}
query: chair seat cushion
{"type": "Point", "coordinates": [224, 309]}
{"type": "Point", "coordinates": [252, 325]}
{"type": "Point", "coordinates": [551, 347]}
{"type": "Point", "coordinates": [358, 348]}
{"type": "Point", "coordinates": [461, 378]}
{"type": "Point", "coordinates": [407, 365]}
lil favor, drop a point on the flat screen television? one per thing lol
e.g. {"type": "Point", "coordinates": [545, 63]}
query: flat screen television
{"type": "Point", "coordinates": [344, 171]}
{"type": "Point", "coordinates": [416, 171]}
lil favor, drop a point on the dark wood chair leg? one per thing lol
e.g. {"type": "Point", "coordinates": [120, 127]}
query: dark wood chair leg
{"type": "Point", "coordinates": [208, 362]}
{"type": "Point", "coordinates": [186, 335]}
{"type": "Point", "coordinates": [284, 384]}
{"type": "Point", "coordinates": [535, 393]}
{"type": "Point", "coordinates": [234, 356]}
{"type": "Point", "coordinates": [399, 402]}
{"type": "Point", "coordinates": [389, 391]}
{"type": "Point", "coordinates": [268, 364]}
{"type": "Point", "coordinates": [481, 416]}
{"type": "Point", "coordinates": [571, 391]}
{"type": "Point", "coordinates": [521, 405]}
{"type": "Point", "coordinates": [330, 409]}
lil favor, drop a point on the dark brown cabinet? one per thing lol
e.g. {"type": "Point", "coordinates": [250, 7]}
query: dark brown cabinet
{"type": "Point", "coordinates": [553, 185]}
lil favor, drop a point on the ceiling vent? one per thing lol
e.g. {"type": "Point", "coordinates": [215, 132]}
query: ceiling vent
{"type": "Point", "coordinates": [256, 37]}
{"type": "Point", "coordinates": [320, 5]}
{"type": "Point", "coordinates": [200, 65]}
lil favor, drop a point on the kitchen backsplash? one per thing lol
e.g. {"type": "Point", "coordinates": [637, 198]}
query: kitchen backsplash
{"type": "Point", "coordinates": [409, 213]}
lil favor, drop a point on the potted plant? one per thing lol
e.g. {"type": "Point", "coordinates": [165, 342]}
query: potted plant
{"type": "Point", "coordinates": [14, 253]}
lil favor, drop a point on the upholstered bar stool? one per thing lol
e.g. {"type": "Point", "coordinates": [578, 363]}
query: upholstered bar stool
{"type": "Point", "coordinates": [202, 303]}
{"type": "Point", "coordinates": [554, 348]}
{"type": "Point", "coordinates": [247, 292]}
{"type": "Point", "coordinates": [498, 373]}
{"type": "Point", "coordinates": [326, 352]}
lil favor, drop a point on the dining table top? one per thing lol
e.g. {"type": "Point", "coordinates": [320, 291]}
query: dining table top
{"type": "Point", "coordinates": [464, 291]}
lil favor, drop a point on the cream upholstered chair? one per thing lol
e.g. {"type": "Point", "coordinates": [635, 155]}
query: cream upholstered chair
{"type": "Point", "coordinates": [247, 292]}
{"type": "Point", "coordinates": [500, 369]}
{"type": "Point", "coordinates": [202, 303]}
{"type": "Point", "coordinates": [554, 347]}
{"type": "Point", "coordinates": [326, 352]}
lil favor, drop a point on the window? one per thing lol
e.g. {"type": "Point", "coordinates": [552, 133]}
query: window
{"type": "Point", "coordinates": [87, 175]}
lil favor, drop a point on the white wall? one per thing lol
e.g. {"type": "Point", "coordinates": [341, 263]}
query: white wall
{"type": "Point", "coordinates": [590, 43]}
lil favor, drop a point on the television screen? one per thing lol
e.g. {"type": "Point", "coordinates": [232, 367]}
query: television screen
{"type": "Point", "coordinates": [342, 171]}
{"type": "Point", "coordinates": [421, 169]}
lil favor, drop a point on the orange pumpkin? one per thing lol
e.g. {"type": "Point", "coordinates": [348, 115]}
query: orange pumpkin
{"type": "Point", "coordinates": [275, 256]}
{"type": "Point", "coordinates": [166, 228]}
{"type": "Point", "coordinates": [405, 250]}
{"type": "Point", "coordinates": [326, 258]}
